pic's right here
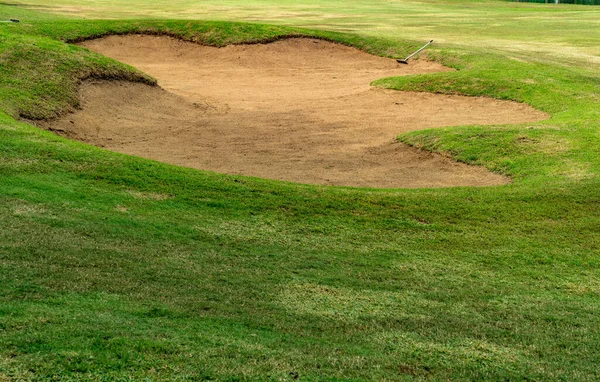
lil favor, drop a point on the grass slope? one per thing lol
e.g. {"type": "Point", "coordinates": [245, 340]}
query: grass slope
{"type": "Point", "coordinates": [116, 267]}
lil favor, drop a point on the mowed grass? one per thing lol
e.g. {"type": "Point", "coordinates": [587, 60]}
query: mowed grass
{"type": "Point", "coordinates": [120, 268]}
{"type": "Point", "coordinates": [561, 33]}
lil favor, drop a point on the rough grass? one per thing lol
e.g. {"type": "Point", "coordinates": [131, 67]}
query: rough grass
{"type": "Point", "coordinates": [120, 268]}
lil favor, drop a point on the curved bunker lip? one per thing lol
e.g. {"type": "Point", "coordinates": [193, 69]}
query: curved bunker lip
{"type": "Point", "coordinates": [299, 110]}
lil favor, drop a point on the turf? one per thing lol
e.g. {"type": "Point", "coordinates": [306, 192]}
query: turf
{"type": "Point", "coordinates": [116, 268]}
{"type": "Point", "coordinates": [565, 33]}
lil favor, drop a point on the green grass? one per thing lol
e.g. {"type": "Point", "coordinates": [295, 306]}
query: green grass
{"type": "Point", "coordinates": [119, 268]}
{"type": "Point", "coordinates": [566, 33]}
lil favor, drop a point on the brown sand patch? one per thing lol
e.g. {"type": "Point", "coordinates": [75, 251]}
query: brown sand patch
{"type": "Point", "coordinates": [299, 110]}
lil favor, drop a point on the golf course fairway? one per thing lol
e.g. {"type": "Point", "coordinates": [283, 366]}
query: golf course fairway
{"type": "Point", "coordinates": [119, 267]}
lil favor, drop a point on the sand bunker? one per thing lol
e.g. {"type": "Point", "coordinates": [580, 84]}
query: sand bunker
{"type": "Point", "coordinates": [299, 110]}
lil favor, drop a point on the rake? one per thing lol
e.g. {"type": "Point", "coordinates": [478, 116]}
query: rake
{"type": "Point", "coordinates": [405, 61]}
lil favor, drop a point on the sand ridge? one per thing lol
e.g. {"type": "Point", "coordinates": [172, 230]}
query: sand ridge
{"type": "Point", "coordinates": [300, 110]}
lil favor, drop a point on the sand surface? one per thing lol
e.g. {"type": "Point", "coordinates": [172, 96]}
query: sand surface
{"type": "Point", "coordinates": [300, 110]}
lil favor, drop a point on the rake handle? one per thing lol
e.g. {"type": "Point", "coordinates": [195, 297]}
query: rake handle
{"type": "Point", "coordinates": [420, 49]}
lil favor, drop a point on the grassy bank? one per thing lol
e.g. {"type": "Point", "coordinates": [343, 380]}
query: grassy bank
{"type": "Point", "coordinates": [115, 267]}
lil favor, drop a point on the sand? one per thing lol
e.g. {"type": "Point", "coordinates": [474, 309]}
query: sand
{"type": "Point", "coordinates": [299, 110]}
